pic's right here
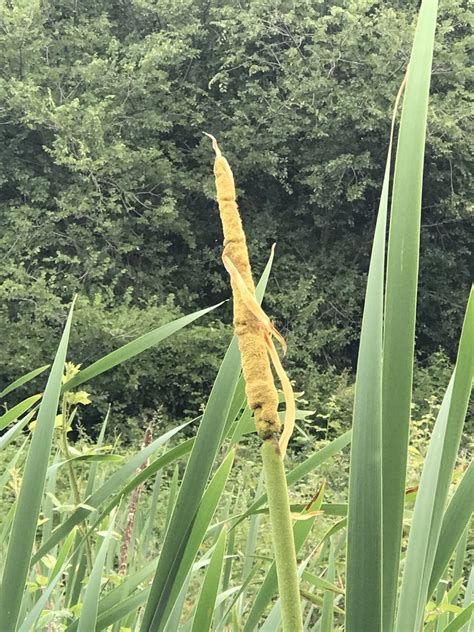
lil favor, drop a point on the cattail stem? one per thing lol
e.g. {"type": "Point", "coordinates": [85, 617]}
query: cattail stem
{"type": "Point", "coordinates": [282, 536]}
{"type": "Point", "coordinates": [72, 475]}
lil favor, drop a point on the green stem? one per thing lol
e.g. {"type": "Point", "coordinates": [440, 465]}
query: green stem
{"type": "Point", "coordinates": [72, 476]}
{"type": "Point", "coordinates": [282, 536]}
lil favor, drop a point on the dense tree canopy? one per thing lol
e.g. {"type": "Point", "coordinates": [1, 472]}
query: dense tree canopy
{"type": "Point", "coordinates": [106, 185]}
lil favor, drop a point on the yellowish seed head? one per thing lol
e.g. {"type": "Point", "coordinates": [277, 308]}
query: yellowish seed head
{"type": "Point", "coordinates": [252, 326]}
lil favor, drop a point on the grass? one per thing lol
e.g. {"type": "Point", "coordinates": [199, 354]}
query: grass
{"type": "Point", "coordinates": [378, 557]}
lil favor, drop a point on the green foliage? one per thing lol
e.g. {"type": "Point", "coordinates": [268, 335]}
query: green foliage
{"type": "Point", "coordinates": [177, 504]}
{"type": "Point", "coordinates": [105, 186]}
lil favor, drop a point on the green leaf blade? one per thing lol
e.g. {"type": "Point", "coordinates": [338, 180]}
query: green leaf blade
{"type": "Point", "coordinates": [434, 485]}
{"type": "Point", "coordinates": [133, 348]}
{"type": "Point", "coordinates": [23, 529]}
{"type": "Point", "coordinates": [207, 599]}
{"type": "Point", "coordinates": [197, 472]}
{"type": "Point", "coordinates": [400, 299]}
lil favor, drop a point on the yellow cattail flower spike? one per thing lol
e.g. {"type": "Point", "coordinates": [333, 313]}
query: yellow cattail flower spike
{"type": "Point", "coordinates": [252, 326]}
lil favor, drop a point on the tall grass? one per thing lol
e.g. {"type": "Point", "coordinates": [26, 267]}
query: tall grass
{"type": "Point", "coordinates": [198, 544]}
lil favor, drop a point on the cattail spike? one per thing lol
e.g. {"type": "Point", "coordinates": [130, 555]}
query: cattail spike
{"type": "Point", "coordinates": [253, 327]}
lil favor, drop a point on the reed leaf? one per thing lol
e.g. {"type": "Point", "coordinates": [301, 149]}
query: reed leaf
{"type": "Point", "coordinates": [23, 529]}
{"type": "Point", "coordinates": [400, 301]}
{"type": "Point", "coordinates": [133, 348]}
{"type": "Point", "coordinates": [207, 443]}
{"type": "Point", "coordinates": [17, 411]}
{"type": "Point", "coordinates": [207, 599]}
{"type": "Point", "coordinates": [24, 379]}
{"type": "Point", "coordinates": [455, 520]}
{"type": "Point", "coordinates": [434, 485]}
{"type": "Point", "coordinates": [90, 605]}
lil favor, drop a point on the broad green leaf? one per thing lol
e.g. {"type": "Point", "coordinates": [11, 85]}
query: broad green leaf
{"type": "Point", "coordinates": [62, 559]}
{"type": "Point", "coordinates": [121, 610]}
{"type": "Point", "coordinates": [47, 507]}
{"type": "Point", "coordinates": [322, 583]}
{"type": "Point", "coordinates": [238, 403]}
{"type": "Point", "coordinates": [88, 458]}
{"type": "Point", "coordinates": [434, 485]}
{"type": "Point", "coordinates": [460, 620]}
{"type": "Point", "coordinates": [133, 348]}
{"type": "Point", "coordinates": [15, 430]}
{"type": "Point", "coordinates": [241, 426]}
{"type": "Point", "coordinates": [400, 300]}
{"type": "Point", "coordinates": [198, 529]}
{"type": "Point", "coordinates": [130, 583]}
{"type": "Point", "coordinates": [207, 599]}
{"type": "Point", "coordinates": [468, 600]}
{"type": "Point", "coordinates": [23, 530]}
{"type": "Point", "coordinates": [173, 620]}
{"type": "Point", "coordinates": [364, 533]}
{"type": "Point", "coordinates": [172, 495]}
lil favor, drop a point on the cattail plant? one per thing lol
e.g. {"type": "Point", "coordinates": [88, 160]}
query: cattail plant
{"type": "Point", "coordinates": [254, 331]}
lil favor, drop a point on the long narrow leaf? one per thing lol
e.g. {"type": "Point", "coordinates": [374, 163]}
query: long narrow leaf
{"type": "Point", "coordinates": [56, 574]}
{"type": "Point", "coordinates": [90, 605]}
{"type": "Point", "coordinates": [23, 529]}
{"type": "Point", "coordinates": [14, 413]}
{"type": "Point", "coordinates": [133, 348]}
{"type": "Point", "coordinates": [23, 380]}
{"type": "Point", "coordinates": [468, 600]}
{"type": "Point", "coordinates": [15, 430]}
{"type": "Point", "coordinates": [455, 520]}
{"type": "Point", "coordinates": [6, 475]}
{"type": "Point", "coordinates": [113, 600]}
{"type": "Point", "coordinates": [364, 533]}
{"type": "Point", "coordinates": [460, 620]}
{"type": "Point", "coordinates": [197, 472]}
{"type": "Point", "coordinates": [207, 599]}
{"type": "Point", "coordinates": [327, 615]}
{"type": "Point", "coordinates": [434, 485]}
{"type": "Point", "coordinates": [400, 299]}
{"type": "Point", "coordinates": [198, 529]}
{"type": "Point", "coordinates": [111, 485]}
